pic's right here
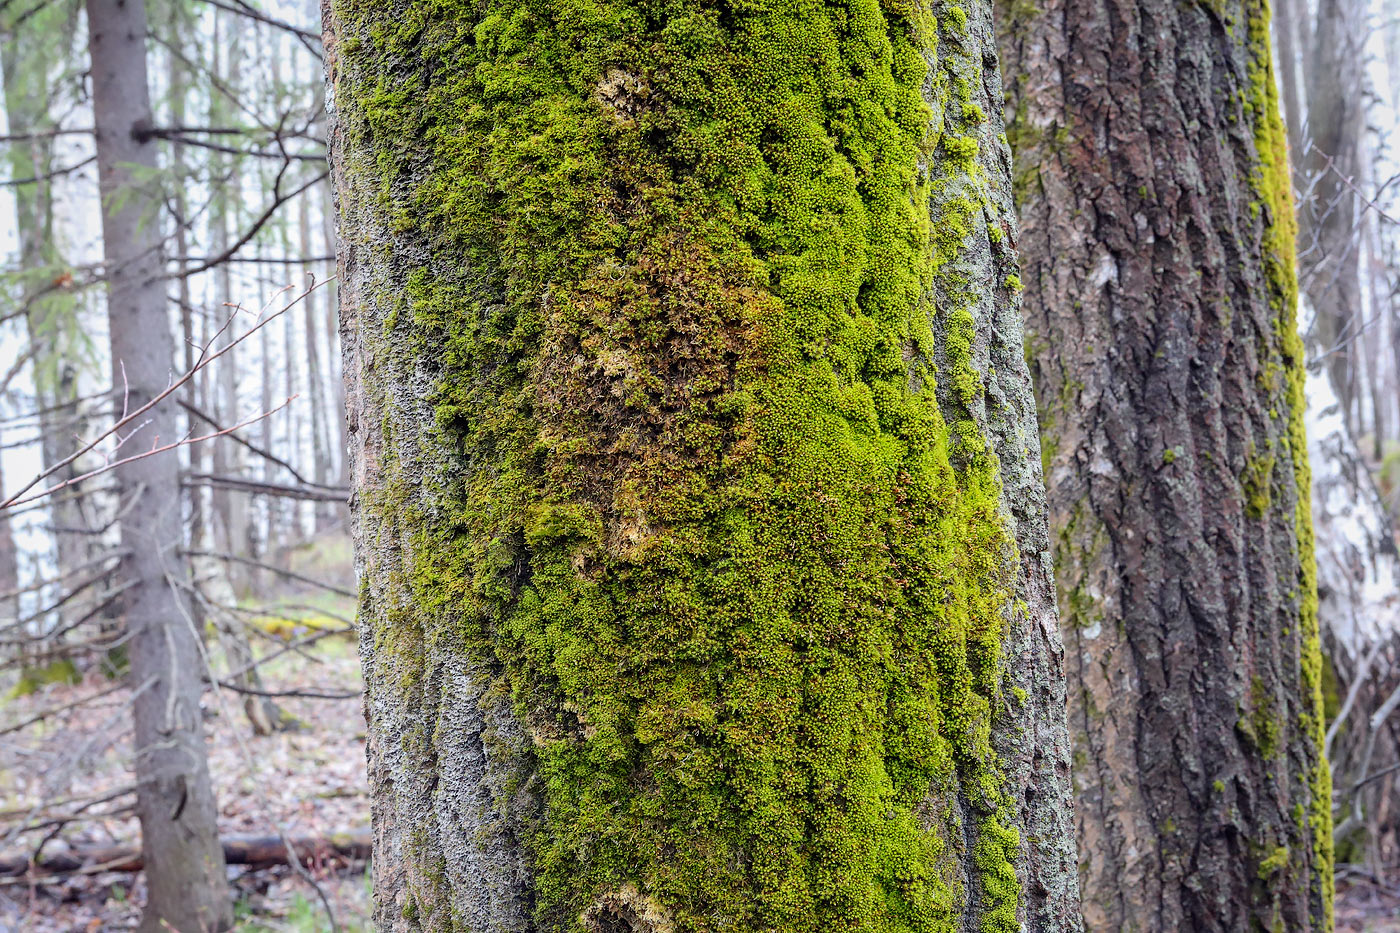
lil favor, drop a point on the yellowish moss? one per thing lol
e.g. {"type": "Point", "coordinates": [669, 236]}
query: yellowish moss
{"type": "Point", "coordinates": [745, 584]}
{"type": "Point", "coordinates": [1273, 188]}
{"type": "Point", "coordinates": [1272, 862]}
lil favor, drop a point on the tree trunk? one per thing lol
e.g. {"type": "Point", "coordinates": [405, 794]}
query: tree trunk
{"type": "Point", "coordinates": [694, 450]}
{"type": "Point", "coordinates": [335, 359]}
{"type": "Point", "coordinates": [178, 78]}
{"type": "Point", "coordinates": [50, 312]}
{"type": "Point", "coordinates": [1285, 23]}
{"type": "Point", "coordinates": [1329, 211]}
{"type": "Point", "coordinates": [315, 384]}
{"type": "Point", "coordinates": [263, 714]}
{"type": "Point", "coordinates": [1372, 337]}
{"type": "Point", "coordinates": [9, 568]}
{"type": "Point", "coordinates": [1157, 241]}
{"type": "Point", "coordinates": [231, 508]}
{"type": "Point", "coordinates": [1358, 592]}
{"type": "Point", "coordinates": [175, 803]}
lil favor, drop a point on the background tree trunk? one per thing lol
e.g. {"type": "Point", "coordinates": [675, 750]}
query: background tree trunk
{"type": "Point", "coordinates": [233, 510]}
{"type": "Point", "coordinates": [1158, 252]}
{"type": "Point", "coordinates": [50, 312]}
{"type": "Point", "coordinates": [1329, 247]}
{"type": "Point", "coordinates": [693, 451]}
{"type": "Point", "coordinates": [1358, 592]}
{"type": "Point", "coordinates": [179, 840]}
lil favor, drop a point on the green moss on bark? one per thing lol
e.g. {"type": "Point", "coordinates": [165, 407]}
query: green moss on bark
{"type": "Point", "coordinates": [1273, 187]}
{"type": "Point", "coordinates": [745, 581]}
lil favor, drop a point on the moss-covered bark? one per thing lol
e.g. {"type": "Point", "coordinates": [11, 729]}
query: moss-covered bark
{"type": "Point", "coordinates": [697, 495]}
{"type": "Point", "coordinates": [1160, 303]}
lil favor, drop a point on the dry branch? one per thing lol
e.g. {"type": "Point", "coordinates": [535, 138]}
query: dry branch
{"type": "Point", "coordinates": [238, 850]}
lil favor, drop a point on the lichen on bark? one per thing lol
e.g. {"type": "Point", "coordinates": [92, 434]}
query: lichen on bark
{"type": "Point", "coordinates": [692, 457]}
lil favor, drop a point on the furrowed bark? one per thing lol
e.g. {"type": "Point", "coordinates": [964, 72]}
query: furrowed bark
{"type": "Point", "coordinates": [1157, 241]}
{"type": "Point", "coordinates": [697, 505]}
{"type": "Point", "coordinates": [175, 802]}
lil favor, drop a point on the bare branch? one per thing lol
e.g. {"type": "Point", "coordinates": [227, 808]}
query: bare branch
{"type": "Point", "coordinates": [302, 694]}
{"type": "Point", "coordinates": [277, 201]}
{"type": "Point", "coordinates": [312, 494]}
{"type": "Point", "coordinates": [239, 559]}
{"type": "Point", "coordinates": [128, 418]}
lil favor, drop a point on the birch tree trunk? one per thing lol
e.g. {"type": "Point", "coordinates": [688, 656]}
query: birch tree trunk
{"type": "Point", "coordinates": [697, 502]}
{"type": "Point", "coordinates": [179, 839]}
{"type": "Point", "coordinates": [1157, 239]}
{"type": "Point", "coordinates": [1358, 587]}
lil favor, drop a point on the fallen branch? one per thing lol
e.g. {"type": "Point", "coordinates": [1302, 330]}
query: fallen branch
{"type": "Point", "coordinates": [260, 851]}
{"type": "Point", "coordinates": [302, 694]}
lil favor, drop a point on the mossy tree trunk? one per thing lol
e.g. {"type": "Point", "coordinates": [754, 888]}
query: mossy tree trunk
{"type": "Point", "coordinates": [697, 498]}
{"type": "Point", "coordinates": [1157, 241]}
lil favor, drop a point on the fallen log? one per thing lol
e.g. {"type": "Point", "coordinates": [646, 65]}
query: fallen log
{"type": "Point", "coordinates": [260, 851]}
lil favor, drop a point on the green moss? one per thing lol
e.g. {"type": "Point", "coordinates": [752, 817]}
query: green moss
{"type": "Point", "coordinates": [1256, 482]}
{"type": "Point", "coordinates": [1331, 696]}
{"type": "Point", "coordinates": [1273, 862]}
{"type": "Point", "coordinates": [33, 679]}
{"type": "Point", "coordinates": [1169, 455]}
{"type": "Point", "coordinates": [1219, 786]}
{"type": "Point", "coordinates": [1264, 727]}
{"type": "Point", "coordinates": [1272, 185]}
{"type": "Point", "coordinates": [746, 582]}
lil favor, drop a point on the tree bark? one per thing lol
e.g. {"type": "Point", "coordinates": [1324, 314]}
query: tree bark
{"type": "Point", "coordinates": [175, 802]}
{"type": "Point", "coordinates": [263, 714]}
{"type": "Point", "coordinates": [705, 584]}
{"type": "Point", "coordinates": [1285, 23]}
{"type": "Point", "coordinates": [9, 567]}
{"type": "Point", "coordinates": [1157, 241]}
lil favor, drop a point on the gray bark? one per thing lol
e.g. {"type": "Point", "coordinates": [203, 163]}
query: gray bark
{"type": "Point", "coordinates": [312, 313]}
{"type": "Point", "coordinates": [175, 801]}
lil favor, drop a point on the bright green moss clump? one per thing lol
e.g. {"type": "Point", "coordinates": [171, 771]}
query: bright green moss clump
{"type": "Point", "coordinates": [746, 587]}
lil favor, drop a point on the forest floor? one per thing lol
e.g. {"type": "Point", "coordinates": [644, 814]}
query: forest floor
{"type": "Point", "coordinates": [308, 782]}
{"type": "Point", "coordinates": [1367, 907]}
{"type": "Point", "coordinates": [305, 782]}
